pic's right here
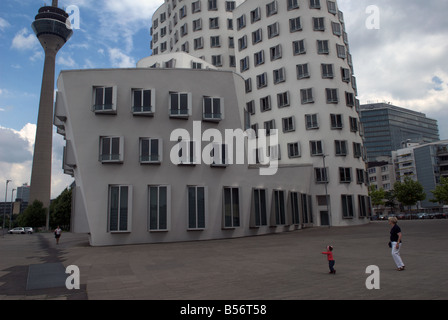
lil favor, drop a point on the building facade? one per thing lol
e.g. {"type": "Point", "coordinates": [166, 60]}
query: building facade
{"type": "Point", "coordinates": [387, 128]}
{"type": "Point", "coordinates": [280, 71]}
{"type": "Point", "coordinates": [425, 163]}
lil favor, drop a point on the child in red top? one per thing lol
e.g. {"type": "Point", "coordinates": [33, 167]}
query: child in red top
{"type": "Point", "coordinates": [331, 262]}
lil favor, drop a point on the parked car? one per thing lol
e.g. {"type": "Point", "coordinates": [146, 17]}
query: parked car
{"type": "Point", "coordinates": [422, 215]}
{"type": "Point", "coordinates": [18, 230]}
{"type": "Point", "coordinates": [29, 230]}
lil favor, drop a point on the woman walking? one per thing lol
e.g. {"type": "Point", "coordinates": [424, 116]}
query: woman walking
{"type": "Point", "coordinates": [395, 243]}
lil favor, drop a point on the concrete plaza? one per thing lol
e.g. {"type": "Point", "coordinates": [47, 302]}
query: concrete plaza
{"type": "Point", "coordinates": [286, 266]}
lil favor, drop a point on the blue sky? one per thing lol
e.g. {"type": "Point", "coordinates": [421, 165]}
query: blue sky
{"type": "Point", "coordinates": [402, 62]}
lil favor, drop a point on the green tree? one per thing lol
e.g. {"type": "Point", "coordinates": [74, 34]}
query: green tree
{"type": "Point", "coordinates": [390, 200]}
{"type": "Point", "coordinates": [61, 209]}
{"type": "Point", "coordinates": [377, 196]}
{"type": "Point", "coordinates": [441, 192]}
{"type": "Point", "coordinates": [35, 215]}
{"type": "Point", "coordinates": [409, 192]}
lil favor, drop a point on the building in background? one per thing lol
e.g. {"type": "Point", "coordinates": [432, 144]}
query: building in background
{"type": "Point", "coordinates": [425, 163]}
{"type": "Point", "coordinates": [387, 128]}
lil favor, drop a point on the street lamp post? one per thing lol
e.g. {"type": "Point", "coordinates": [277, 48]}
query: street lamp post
{"type": "Point", "coordinates": [12, 207]}
{"type": "Point", "coordinates": [4, 207]}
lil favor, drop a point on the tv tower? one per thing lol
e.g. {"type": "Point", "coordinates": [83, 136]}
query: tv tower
{"type": "Point", "coordinates": [52, 28]}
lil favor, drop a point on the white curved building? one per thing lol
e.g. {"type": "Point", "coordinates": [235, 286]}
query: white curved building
{"type": "Point", "coordinates": [295, 59]}
{"type": "Point", "coordinates": [143, 143]}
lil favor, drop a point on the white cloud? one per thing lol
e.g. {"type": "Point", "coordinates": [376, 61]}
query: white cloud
{"type": "Point", "coordinates": [120, 60]}
{"type": "Point", "coordinates": [17, 162]}
{"type": "Point", "coordinates": [24, 40]}
{"type": "Point", "coordinates": [404, 62]}
{"type": "Point", "coordinates": [66, 61]}
{"type": "Point", "coordinates": [4, 24]}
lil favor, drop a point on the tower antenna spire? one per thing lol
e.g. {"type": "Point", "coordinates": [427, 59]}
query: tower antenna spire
{"type": "Point", "coordinates": [55, 3]}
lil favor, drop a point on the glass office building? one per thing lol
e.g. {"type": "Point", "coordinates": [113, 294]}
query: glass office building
{"type": "Point", "coordinates": [387, 127]}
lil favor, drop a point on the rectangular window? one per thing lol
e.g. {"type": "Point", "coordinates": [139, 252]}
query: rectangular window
{"type": "Point", "coordinates": [214, 23]}
{"type": "Point", "coordinates": [271, 8]}
{"type": "Point", "coordinates": [360, 176]}
{"type": "Point", "coordinates": [295, 207]}
{"type": "Point", "coordinates": [259, 58]}
{"type": "Point", "coordinates": [111, 149]}
{"type": "Point", "coordinates": [187, 152]}
{"type": "Point", "coordinates": [276, 52]}
{"type": "Point", "coordinates": [347, 206]}
{"type": "Point", "coordinates": [341, 51]}
{"type": "Point", "coordinates": [363, 205]}
{"type": "Point", "coordinates": [336, 121]}
{"type": "Point", "coordinates": [273, 30]}
{"type": "Point", "coordinates": [349, 99]}
{"type": "Point", "coordinates": [302, 71]}
{"type": "Point", "coordinates": [120, 203]}
{"type": "Point", "coordinates": [322, 47]}
{"type": "Point", "coordinates": [283, 99]}
{"type": "Point", "coordinates": [332, 7]}
{"type": "Point", "coordinates": [196, 207]}
{"type": "Point", "coordinates": [320, 175]}
{"type": "Point", "coordinates": [345, 175]}
{"type": "Point", "coordinates": [142, 101]}
{"type": "Point", "coordinates": [288, 124]}
{"type": "Point", "coordinates": [340, 147]}
{"type": "Point", "coordinates": [198, 43]}
{"type": "Point", "coordinates": [279, 75]}
{"type": "Point", "coordinates": [231, 207]}
{"type": "Point", "coordinates": [215, 42]}
{"type": "Point", "coordinates": [353, 124]}
{"type": "Point", "coordinates": [105, 100]}
{"type": "Point", "coordinates": [159, 208]}
{"type": "Point", "coordinates": [316, 148]}
{"type": "Point", "coordinates": [180, 104]}
{"type": "Point", "coordinates": [244, 64]}
{"type": "Point", "coordinates": [213, 108]}
{"type": "Point", "coordinates": [332, 95]}
{"type": "Point", "coordinates": [220, 155]}
{"type": "Point", "coordinates": [311, 121]}
{"type": "Point", "coordinates": [279, 207]}
{"type": "Point", "coordinates": [319, 24]}
{"type": "Point", "coordinates": [150, 150]}
{"type": "Point", "coordinates": [293, 150]}
{"type": "Point", "coordinates": [260, 207]}
{"type": "Point", "coordinates": [262, 80]}
{"type": "Point", "coordinates": [242, 43]}
{"type": "Point", "coordinates": [315, 4]}
{"type": "Point", "coordinates": [357, 150]}
{"type": "Point", "coordinates": [269, 126]}
{"type": "Point", "coordinates": [265, 103]}
{"type": "Point", "coordinates": [255, 15]}
{"type": "Point", "coordinates": [298, 47]}
{"type": "Point", "coordinates": [295, 25]}
{"type": "Point", "coordinates": [212, 5]}
{"type": "Point", "coordinates": [336, 29]}
{"type": "Point", "coordinates": [327, 71]}
{"type": "Point", "coordinates": [293, 4]}
{"type": "Point", "coordinates": [257, 36]}
{"type": "Point", "coordinates": [307, 95]}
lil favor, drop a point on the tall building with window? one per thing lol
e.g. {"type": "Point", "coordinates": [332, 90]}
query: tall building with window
{"type": "Point", "coordinates": [280, 67]}
{"type": "Point", "coordinates": [387, 128]}
{"type": "Point", "coordinates": [426, 163]}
